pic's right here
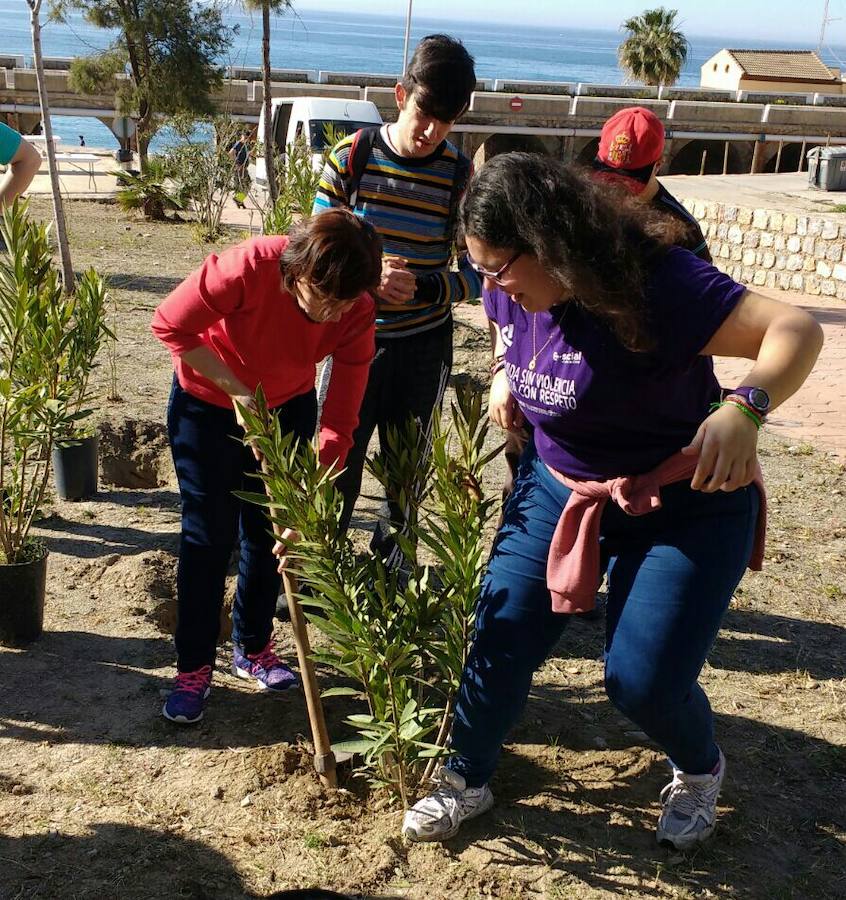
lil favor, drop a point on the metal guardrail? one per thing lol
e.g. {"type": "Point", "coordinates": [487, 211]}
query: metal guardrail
{"type": "Point", "coordinates": [496, 85]}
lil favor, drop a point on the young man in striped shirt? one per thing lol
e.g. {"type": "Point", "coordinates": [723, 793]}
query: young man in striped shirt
{"type": "Point", "coordinates": [406, 179]}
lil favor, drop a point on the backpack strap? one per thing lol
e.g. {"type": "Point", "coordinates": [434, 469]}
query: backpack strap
{"type": "Point", "coordinates": [463, 170]}
{"type": "Point", "coordinates": [360, 150]}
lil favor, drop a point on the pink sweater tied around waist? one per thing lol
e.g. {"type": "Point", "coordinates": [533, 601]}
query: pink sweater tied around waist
{"type": "Point", "coordinates": [572, 568]}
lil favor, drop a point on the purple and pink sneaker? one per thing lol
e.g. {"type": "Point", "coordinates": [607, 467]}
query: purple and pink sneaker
{"type": "Point", "coordinates": [187, 700]}
{"type": "Point", "coordinates": [264, 668]}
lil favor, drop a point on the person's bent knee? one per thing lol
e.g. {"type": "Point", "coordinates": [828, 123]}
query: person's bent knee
{"type": "Point", "coordinates": [642, 699]}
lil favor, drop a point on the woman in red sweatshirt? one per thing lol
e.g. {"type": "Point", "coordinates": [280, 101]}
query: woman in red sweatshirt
{"type": "Point", "coordinates": [263, 312]}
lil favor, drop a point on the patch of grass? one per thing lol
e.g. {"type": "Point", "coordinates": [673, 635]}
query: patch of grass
{"type": "Point", "coordinates": [838, 207]}
{"type": "Point", "coordinates": [833, 591]}
{"type": "Point", "coordinates": [314, 840]}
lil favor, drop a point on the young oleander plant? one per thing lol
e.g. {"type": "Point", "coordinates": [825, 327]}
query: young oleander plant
{"type": "Point", "coordinates": [48, 339]}
{"type": "Point", "coordinates": [400, 633]}
{"type": "Point", "coordinates": [297, 183]}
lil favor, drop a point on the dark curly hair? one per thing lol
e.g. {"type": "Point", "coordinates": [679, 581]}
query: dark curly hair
{"type": "Point", "coordinates": [337, 252]}
{"type": "Point", "coordinates": [597, 242]}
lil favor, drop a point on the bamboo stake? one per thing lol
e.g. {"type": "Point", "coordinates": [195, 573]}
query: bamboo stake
{"type": "Point", "coordinates": [324, 758]}
{"type": "Point", "coordinates": [704, 159]}
{"type": "Point", "coordinates": [726, 158]}
{"type": "Point", "coordinates": [778, 156]}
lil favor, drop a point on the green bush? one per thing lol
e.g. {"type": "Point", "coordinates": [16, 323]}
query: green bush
{"type": "Point", "coordinates": [400, 634]}
{"type": "Point", "coordinates": [148, 192]}
{"type": "Point", "coordinates": [48, 340]}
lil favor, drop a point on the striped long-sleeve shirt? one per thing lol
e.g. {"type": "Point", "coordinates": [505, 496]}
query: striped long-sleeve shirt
{"type": "Point", "coordinates": [408, 202]}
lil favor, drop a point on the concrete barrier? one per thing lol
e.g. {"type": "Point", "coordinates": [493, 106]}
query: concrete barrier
{"type": "Point", "coordinates": [232, 91]}
{"type": "Point", "coordinates": [24, 80]}
{"type": "Point", "coordinates": [634, 92]}
{"type": "Point", "coordinates": [489, 102]}
{"type": "Point", "coordinates": [829, 100]}
{"type": "Point", "coordinates": [58, 62]}
{"type": "Point", "coordinates": [693, 112]}
{"type": "Point", "coordinates": [360, 79]}
{"type": "Point", "coordinates": [287, 76]}
{"type": "Point", "coordinates": [823, 118]}
{"type": "Point", "coordinates": [761, 97]}
{"type": "Point", "coordinates": [55, 80]}
{"type": "Point", "coordinates": [710, 95]}
{"type": "Point", "coordinates": [384, 99]}
{"type": "Point", "coordinates": [602, 108]}
{"type": "Point", "coordinates": [534, 87]}
{"type": "Point", "coordinates": [286, 89]}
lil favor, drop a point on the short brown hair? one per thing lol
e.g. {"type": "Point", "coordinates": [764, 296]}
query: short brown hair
{"type": "Point", "coordinates": [337, 253]}
{"type": "Point", "coordinates": [440, 77]}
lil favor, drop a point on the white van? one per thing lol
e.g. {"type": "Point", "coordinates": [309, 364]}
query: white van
{"type": "Point", "coordinates": [295, 116]}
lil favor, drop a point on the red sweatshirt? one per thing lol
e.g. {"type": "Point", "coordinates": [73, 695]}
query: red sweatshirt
{"type": "Point", "coordinates": [234, 304]}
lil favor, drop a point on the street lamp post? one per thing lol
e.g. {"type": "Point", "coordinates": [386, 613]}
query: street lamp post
{"type": "Point", "coordinates": [407, 34]}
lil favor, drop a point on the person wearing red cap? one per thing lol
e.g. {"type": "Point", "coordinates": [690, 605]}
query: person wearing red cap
{"type": "Point", "coordinates": [630, 150]}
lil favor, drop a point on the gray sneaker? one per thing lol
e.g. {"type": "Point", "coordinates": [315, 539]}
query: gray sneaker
{"type": "Point", "coordinates": [439, 816]}
{"type": "Point", "coordinates": [690, 808]}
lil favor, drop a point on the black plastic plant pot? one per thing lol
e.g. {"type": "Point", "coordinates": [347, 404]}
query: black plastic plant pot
{"type": "Point", "coordinates": [75, 468]}
{"type": "Point", "coordinates": [22, 587]}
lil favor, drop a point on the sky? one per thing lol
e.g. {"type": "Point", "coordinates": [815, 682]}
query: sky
{"type": "Point", "coordinates": [785, 20]}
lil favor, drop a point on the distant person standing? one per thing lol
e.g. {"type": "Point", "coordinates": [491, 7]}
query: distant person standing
{"type": "Point", "coordinates": [630, 149]}
{"type": "Point", "coordinates": [22, 160]}
{"type": "Point", "coordinates": [82, 140]}
{"type": "Point", "coordinates": [406, 179]}
{"type": "Point", "coordinates": [239, 152]}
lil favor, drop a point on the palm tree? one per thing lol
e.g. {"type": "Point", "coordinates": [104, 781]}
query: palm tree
{"type": "Point", "coordinates": [266, 7]}
{"type": "Point", "coordinates": [55, 187]}
{"type": "Point", "coordinates": [655, 50]}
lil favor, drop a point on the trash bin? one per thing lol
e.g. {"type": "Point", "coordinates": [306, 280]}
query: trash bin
{"type": "Point", "coordinates": [827, 168]}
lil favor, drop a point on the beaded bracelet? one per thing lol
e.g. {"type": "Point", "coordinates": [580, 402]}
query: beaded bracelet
{"type": "Point", "coordinates": [749, 413]}
{"type": "Point", "coordinates": [497, 365]}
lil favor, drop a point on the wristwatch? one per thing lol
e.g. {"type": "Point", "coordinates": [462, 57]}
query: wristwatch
{"type": "Point", "coordinates": [757, 398]}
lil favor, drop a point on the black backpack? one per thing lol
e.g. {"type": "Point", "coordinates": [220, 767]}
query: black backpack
{"type": "Point", "coordinates": [360, 150]}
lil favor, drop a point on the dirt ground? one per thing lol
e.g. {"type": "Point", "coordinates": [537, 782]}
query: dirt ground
{"type": "Point", "coordinates": [102, 798]}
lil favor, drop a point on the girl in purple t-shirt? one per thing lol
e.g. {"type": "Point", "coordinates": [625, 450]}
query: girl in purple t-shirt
{"type": "Point", "coordinates": [605, 334]}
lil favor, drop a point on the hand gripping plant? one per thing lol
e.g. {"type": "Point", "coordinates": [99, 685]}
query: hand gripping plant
{"type": "Point", "coordinates": [401, 633]}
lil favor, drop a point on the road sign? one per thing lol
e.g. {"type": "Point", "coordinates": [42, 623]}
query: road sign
{"type": "Point", "coordinates": [123, 127]}
{"type": "Point", "coordinates": [516, 103]}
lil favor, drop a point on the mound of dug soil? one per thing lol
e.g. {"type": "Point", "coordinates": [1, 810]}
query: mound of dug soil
{"type": "Point", "coordinates": [135, 453]}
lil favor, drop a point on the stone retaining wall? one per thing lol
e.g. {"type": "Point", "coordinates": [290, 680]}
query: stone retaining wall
{"type": "Point", "coordinates": [766, 247]}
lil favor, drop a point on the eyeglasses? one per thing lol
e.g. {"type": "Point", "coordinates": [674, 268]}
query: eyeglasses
{"type": "Point", "coordinates": [495, 277]}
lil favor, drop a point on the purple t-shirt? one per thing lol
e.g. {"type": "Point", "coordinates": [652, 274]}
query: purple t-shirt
{"type": "Point", "coordinates": [599, 410]}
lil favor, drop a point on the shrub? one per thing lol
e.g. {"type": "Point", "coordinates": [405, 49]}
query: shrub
{"type": "Point", "coordinates": [47, 343]}
{"type": "Point", "coordinates": [147, 191]}
{"type": "Point", "coordinates": [400, 634]}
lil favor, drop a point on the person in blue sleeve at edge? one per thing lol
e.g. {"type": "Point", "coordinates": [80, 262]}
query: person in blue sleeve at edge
{"type": "Point", "coordinates": [22, 162]}
{"type": "Point", "coordinates": [606, 336]}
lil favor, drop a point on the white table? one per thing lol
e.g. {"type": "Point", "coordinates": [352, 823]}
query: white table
{"type": "Point", "coordinates": [80, 162]}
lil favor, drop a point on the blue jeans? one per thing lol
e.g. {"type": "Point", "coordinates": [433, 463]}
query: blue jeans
{"type": "Point", "coordinates": [211, 462]}
{"type": "Point", "coordinates": [671, 575]}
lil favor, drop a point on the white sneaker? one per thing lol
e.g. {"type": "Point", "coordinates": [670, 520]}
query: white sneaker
{"type": "Point", "coordinates": [689, 809]}
{"type": "Point", "coordinates": [439, 816]}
